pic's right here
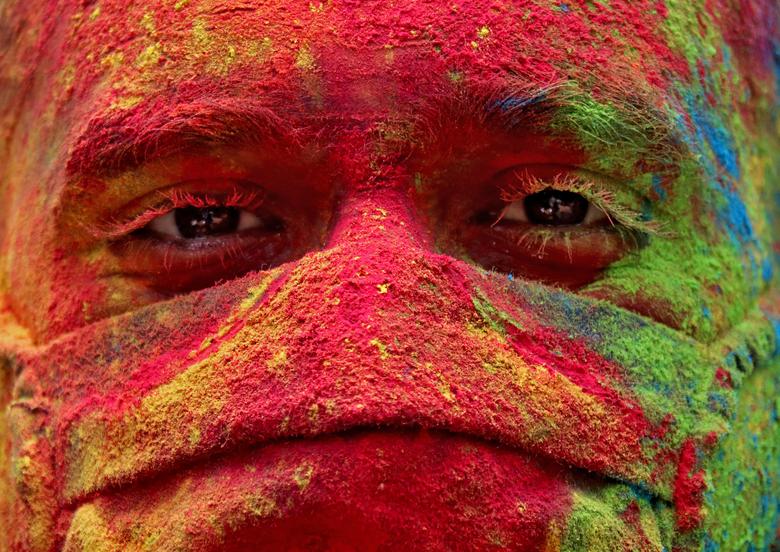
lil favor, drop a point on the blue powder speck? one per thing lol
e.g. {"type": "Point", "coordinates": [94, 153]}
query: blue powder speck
{"type": "Point", "coordinates": [657, 188]}
{"type": "Point", "coordinates": [776, 328]}
{"type": "Point", "coordinates": [710, 545]}
{"type": "Point", "coordinates": [767, 270]}
{"type": "Point", "coordinates": [716, 135]}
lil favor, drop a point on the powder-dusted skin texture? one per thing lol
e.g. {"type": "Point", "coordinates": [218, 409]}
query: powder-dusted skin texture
{"type": "Point", "coordinates": [388, 374]}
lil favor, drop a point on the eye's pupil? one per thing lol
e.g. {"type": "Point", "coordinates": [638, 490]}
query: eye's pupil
{"type": "Point", "coordinates": [555, 207]}
{"type": "Point", "coordinates": [194, 222]}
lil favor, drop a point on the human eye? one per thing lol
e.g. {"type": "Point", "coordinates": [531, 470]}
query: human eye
{"type": "Point", "coordinates": [549, 207]}
{"type": "Point", "coordinates": [197, 224]}
{"type": "Point", "coordinates": [556, 224]}
{"type": "Point", "coordinates": [195, 234]}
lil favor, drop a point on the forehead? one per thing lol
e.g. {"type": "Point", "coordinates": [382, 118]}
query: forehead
{"type": "Point", "coordinates": [375, 55]}
{"type": "Point", "coordinates": [368, 60]}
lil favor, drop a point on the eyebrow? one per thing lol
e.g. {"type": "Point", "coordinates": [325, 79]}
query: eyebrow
{"type": "Point", "coordinates": [128, 139]}
{"type": "Point", "coordinates": [614, 119]}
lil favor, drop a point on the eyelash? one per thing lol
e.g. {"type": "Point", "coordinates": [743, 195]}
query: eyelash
{"type": "Point", "coordinates": [526, 184]}
{"type": "Point", "coordinates": [542, 236]}
{"type": "Point", "coordinates": [175, 199]}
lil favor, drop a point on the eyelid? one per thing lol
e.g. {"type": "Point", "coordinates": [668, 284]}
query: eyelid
{"type": "Point", "coordinates": [597, 189]}
{"type": "Point", "coordinates": [242, 195]}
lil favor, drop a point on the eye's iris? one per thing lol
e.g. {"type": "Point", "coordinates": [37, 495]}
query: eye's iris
{"type": "Point", "coordinates": [555, 207]}
{"type": "Point", "coordinates": [194, 222]}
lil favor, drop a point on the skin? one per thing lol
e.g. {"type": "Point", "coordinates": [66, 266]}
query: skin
{"type": "Point", "coordinates": [388, 372]}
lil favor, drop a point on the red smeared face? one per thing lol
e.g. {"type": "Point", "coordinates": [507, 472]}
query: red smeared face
{"type": "Point", "coordinates": [342, 276]}
{"type": "Point", "coordinates": [463, 110]}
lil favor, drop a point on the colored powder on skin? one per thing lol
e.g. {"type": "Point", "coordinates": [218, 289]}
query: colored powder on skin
{"type": "Point", "coordinates": [246, 409]}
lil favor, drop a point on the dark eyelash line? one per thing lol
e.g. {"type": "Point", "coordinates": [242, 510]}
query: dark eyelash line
{"type": "Point", "coordinates": [227, 252]}
{"type": "Point", "coordinates": [175, 199]}
{"type": "Point", "coordinates": [617, 214]}
{"type": "Point", "coordinates": [237, 198]}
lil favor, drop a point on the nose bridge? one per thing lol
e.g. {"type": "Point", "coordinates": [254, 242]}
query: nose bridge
{"type": "Point", "coordinates": [378, 210]}
{"type": "Point", "coordinates": [380, 218]}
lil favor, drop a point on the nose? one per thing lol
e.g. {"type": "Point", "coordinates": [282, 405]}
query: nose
{"type": "Point", "coordinates": [380, 220]}
{"type": "Point", "coordinates": [378, 288]}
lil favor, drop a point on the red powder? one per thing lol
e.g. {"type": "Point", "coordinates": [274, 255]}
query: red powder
{"type": "Point", "coordinates": [724, 378]}
{"type": "Point", "coordinates": [688, 489]}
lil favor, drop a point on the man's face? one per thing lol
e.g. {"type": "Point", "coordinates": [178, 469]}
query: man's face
{"type": "Point", "coordinates": [370, 275]}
